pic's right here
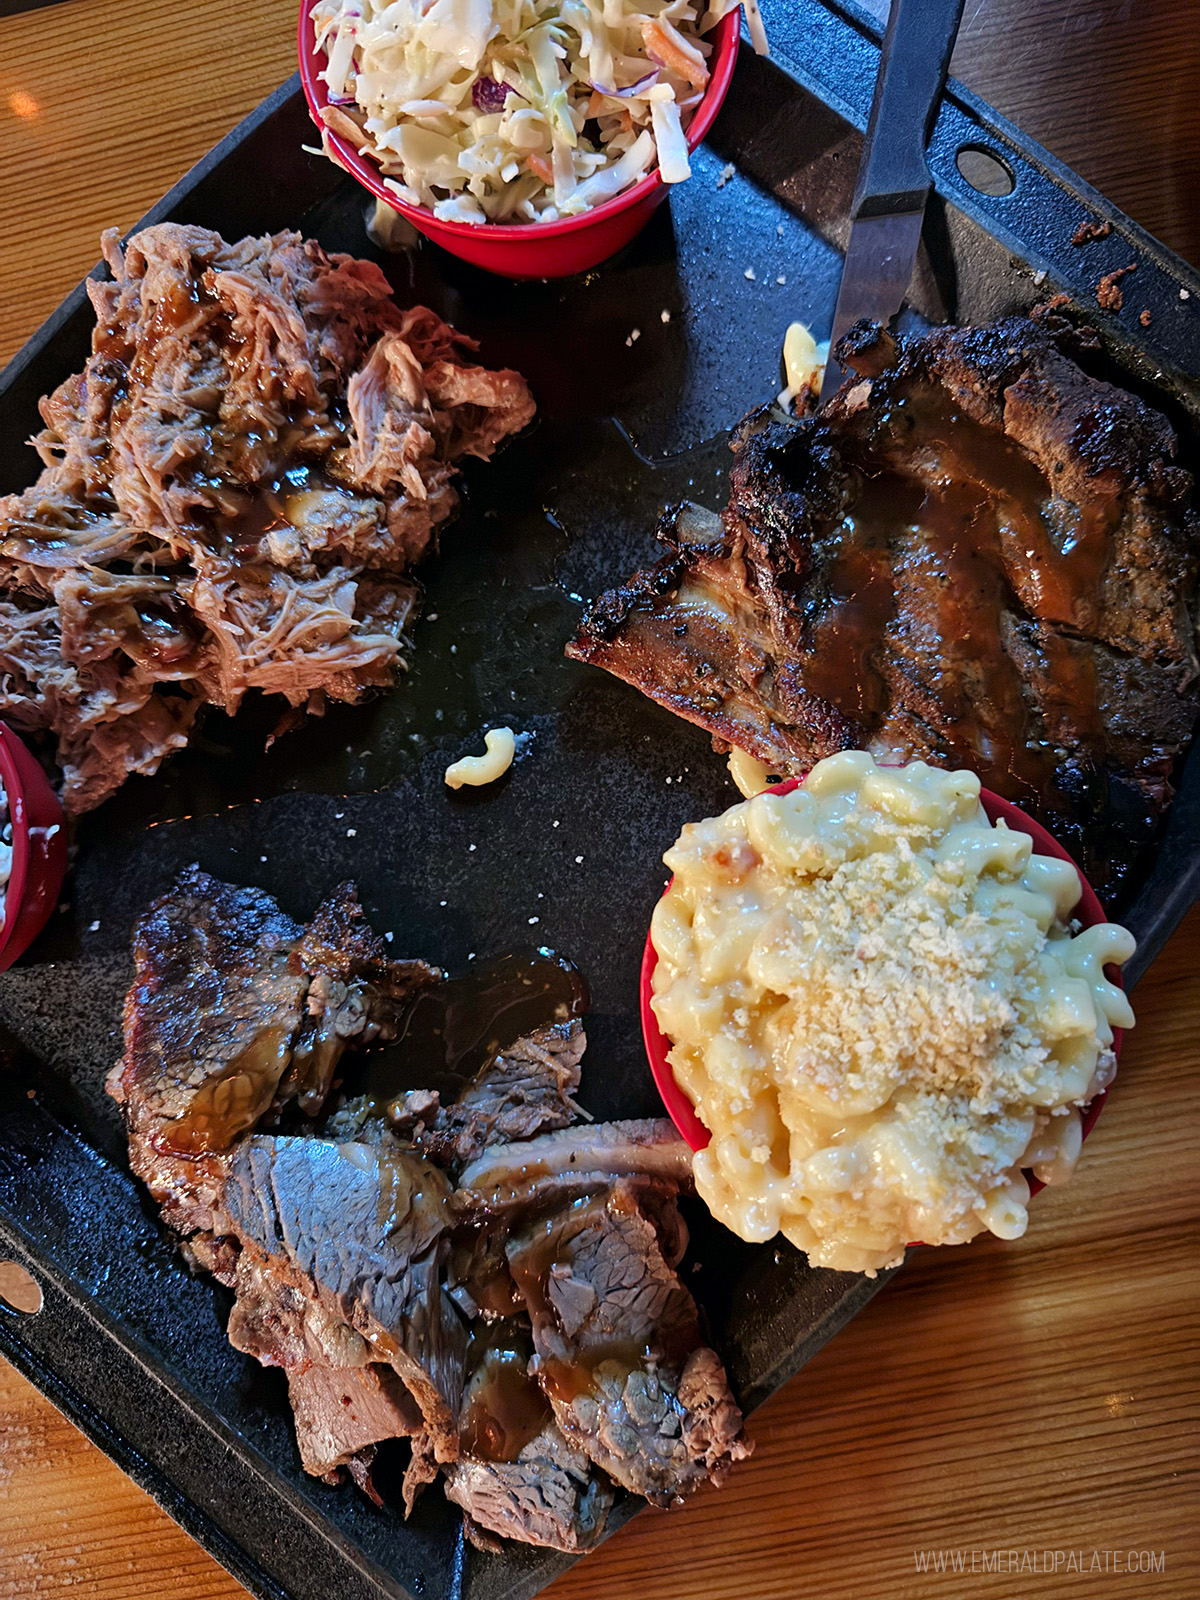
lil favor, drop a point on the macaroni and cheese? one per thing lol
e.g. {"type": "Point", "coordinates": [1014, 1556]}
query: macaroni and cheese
{"type": "Point", "coordinates": [878, 1004]}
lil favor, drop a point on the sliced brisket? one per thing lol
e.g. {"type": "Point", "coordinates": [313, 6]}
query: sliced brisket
{"type": "Point", "coordinates": [333, 1249]}
{"type": "Point", "coordinates": [360, 1229]}
{"type": "Point", "coordinates": [526, 1332]}
{"type": "Point", "coordinates": [549, 1495]}
{"type": "Point", "coordinates": [522, 1091]}
{"type": "Point", "coordinates": [511, 1177]}
{"type": "Point", "coordinates": [341, 1413]}
{"type": "Point", "coordinates": [517, 1476]}
{"type": "Point", "coordinates": [619, 1349]}
{"type": "Point", "coordinates": [210, 1020]}
{"type": "Point", "coordinates": [234, 1005]}
{"type": "Point", "coordinates": [356, 995]}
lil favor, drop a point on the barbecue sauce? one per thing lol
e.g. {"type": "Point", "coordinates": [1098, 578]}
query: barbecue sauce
{"type": "Point", "coordinates": [952, 530]}
{"type": "Point", "coordinates": [409, 1188]}
{"type": "Point", "coordinates": [477, 1264]}
{"type": "Point", "coordinates": [451, 1030]}
{"type": "Point", "coordinates": [583, 1367]}
{"type": "Point", "coordinates": [249, 511]}
{"type": "Point", "coordinates": [860, 605]}
{"type": "Point", "coordinates": [251, 485]}
{"type": "Point", "coordinates": [231, 1101]}
{"type": "Point", "coordinates": [503, 1407]}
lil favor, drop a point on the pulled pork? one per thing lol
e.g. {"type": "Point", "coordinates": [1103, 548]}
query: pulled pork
{"type": "Point", "coordinates": [260, 445]}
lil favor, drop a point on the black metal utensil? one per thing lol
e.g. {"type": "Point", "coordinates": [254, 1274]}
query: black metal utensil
{"type": "Point", "coordinates": [894, 178]}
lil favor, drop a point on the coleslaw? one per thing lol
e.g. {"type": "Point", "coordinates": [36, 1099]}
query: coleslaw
{"type": "Point", "coordinates": [517, 111]}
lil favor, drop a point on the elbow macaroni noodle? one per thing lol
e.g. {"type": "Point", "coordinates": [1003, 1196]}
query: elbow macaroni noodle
{"type": "Point", "coordinates": [749, 776]}
{"type": "Point", "coordinates": [803, 363]}
{"type": "Point", "coordinates": [878, 1006]}
{"type": "Point", "coordinates": [500, 745]}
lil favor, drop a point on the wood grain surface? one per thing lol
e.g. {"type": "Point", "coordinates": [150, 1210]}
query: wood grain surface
{"type": "Point", "coordinates": [1027, 1413]}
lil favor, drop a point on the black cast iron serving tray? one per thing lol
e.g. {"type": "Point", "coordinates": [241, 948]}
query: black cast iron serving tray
{"type": "Point", "coordinates": [566, 851]}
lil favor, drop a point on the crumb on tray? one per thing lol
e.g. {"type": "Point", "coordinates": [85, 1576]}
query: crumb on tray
{"type": "Point", "coordinates": [1086, 232]}
{"type": "Point", "coordinates": [1109, 295]}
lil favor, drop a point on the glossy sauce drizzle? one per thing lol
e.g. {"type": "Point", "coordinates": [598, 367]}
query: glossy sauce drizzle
{"type": "Point", "coordinates": [283, 498]}
{"type": "Point", "coordinates": [503, 1407]}
{"type": "Point", "coordinates": [410, 1190]}
{"type": "Point", "coordinates": [593, 1359]}
{"type": "Point", "coordinates": [452, 1029]}
{"type": "Point", "coordinates": [954, 527]}
{"type": "Point", "coordinates": [255, 484]}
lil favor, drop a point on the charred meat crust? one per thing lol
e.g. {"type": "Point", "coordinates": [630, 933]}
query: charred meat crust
{"type": "Point", "coordinates": [214, 1007]}
{"type": "Point", "coordinates": [234, 1007]}
{"type": "Point", "coordinates": [976, 553]}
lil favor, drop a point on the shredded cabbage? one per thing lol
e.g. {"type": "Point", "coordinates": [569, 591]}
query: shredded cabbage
{"type": "Point", "coordinates": [754, 22]}
{"type": "Point", "coordinates": [515, 110]}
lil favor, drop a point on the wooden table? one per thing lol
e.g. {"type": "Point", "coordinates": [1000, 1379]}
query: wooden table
{"type": "Point", "coordinates": [1017, 1405]}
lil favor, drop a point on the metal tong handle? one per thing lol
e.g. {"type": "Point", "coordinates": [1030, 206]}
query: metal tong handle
{"type": "Point", "coordinates": [893, 178]}
{"type": "Point", "coordinates": [894, 175]}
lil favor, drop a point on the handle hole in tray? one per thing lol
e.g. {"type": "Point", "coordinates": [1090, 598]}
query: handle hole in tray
{"type": "Point", "coordinates": [19, 1290]}
{"type": "Point", "coordinates": [985, 171]}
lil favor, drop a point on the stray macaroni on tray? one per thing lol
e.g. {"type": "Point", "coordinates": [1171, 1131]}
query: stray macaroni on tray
{"type": "Point", "coordinates": [878, 1004]}
{"type": "Point", "coordinates": [500, 746]}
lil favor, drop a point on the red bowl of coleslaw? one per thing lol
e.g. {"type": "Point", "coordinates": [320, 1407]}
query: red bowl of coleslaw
{"type": "Point", "coordinates": [1088, 912]}
{"type": "Point", "coordinates": [531, 249]}
{"type": "Point", "coordinates": [38, 844]}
